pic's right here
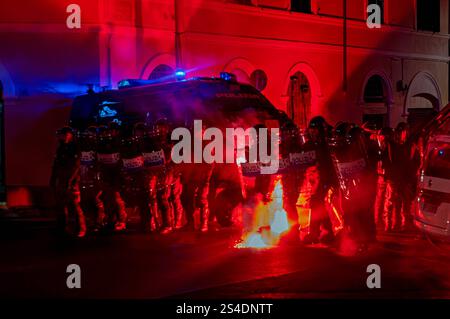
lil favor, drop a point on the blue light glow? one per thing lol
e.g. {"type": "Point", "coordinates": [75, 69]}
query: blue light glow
{"type": "Point", "coordinates": [227, 76]}
{"type": "Point", "coordinates": [124, 83]}
{"type": "Point", "coordinates": [180, 74]}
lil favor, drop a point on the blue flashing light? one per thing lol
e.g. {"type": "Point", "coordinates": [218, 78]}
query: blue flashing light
{"type": "Point", "coordinates": [180, 74]}
{"type": "Point", "coordinates": [228, 76]}
{"type": "Point", "coordinates": [441, 152]}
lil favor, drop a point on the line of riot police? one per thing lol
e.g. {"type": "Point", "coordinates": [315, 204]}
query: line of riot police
{"type": "Point", "coordinates": [348, 180]}
{"type": "Point", "coordinates": [341, 180]}
{"type": "Point", "coordinates": [103, 170]}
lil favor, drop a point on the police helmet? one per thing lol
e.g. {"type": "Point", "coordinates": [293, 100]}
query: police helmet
{"type": "Point", "coordinates": [355, 132]}
{"type": "Point", "coordinates": [318, 122]}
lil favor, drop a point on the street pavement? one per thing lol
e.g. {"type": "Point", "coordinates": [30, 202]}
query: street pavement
{"type": "Point", "coordinates": [206, 266]}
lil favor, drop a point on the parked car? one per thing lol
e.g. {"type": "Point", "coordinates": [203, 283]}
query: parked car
{"type": "Point", "coordinates": [432, 213]}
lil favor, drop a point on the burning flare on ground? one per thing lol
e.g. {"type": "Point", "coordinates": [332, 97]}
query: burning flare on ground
{"type": "Point", "coordinates": [268, 223]}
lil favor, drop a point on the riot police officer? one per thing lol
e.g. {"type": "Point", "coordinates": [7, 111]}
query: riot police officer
{"type": "Point", "coordinates": [65, 182]}
{"type": "Point", "coordinates": [196, 188]}
{"type": "Point", "coordinates": [164, 175]}
{"type": "Point", "coordinates": [362, 202]}
{"type": "Point", "coordinates": [134, 187]}
{"type": "Point", "coordinates": [110, 166]}
{"type": "Point", "coordinates": [404, 159]}
{"type": "Point", "coordinates": [321, 178]}
{"type": "Point", "coordinates": [89, 177]}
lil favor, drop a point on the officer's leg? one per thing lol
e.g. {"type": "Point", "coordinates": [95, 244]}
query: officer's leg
{"type": "Point", "coordinates": [61, 210]}
{"type": "Point", "coordinates": [152, 202]}
{"type": "Point", "coordinates": [315, 221]}
{"type": "Point", "coordinates": [389, 206]}
{"type": "Point", "coordinates": [380, 201]}
{"type": "Point", "coordinates": [100, 209]}
{"type": "Point", "coordinates": [201, 203]}
{"type": "Point", "coordinates": [326, 225]}
{"type": "Point", "coordinates": [175, 197]}
{"type": "Point", "coordinates": [108, 195]}
{"type": "Point", "coordinates": [164, 207]}
{"type": "Point", "coordinates": [144, 210]}
{"type": "Point", "coordinates": [121, 210]}
{"type": "Point", "coordinates": [74, 205]}
{"type": "Point", "coordinates": [118, 202]}
{"type": "Point", "coordinates": [397, 198]}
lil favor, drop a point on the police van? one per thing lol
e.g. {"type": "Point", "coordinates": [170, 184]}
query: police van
{"type": "Point", "coordinates": [221, 101]}
{"type": "Point", "coordinates": [432, 213]}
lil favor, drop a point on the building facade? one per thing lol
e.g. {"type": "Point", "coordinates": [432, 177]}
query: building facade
{"type": "Point", "coordinates": [308, 57]}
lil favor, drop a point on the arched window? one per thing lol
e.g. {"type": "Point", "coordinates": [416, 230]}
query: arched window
{"type": "Point", "coordinates": [299, 104]}
{"type": "Point", "coordinates": [423, 99]}
{"type": "Point", "coordinates": [374, 91]}
{"type": "Point", "coordinates": [161, 71]}
{"type": "Point", "coordinates": [375, 111]}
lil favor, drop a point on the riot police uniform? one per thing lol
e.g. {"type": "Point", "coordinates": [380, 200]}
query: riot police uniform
{"type": "Point", "coordinates": [65, 182]}
{"type": "Point", "coordinates": [320, 178]}
{"type": "Point", "coordinates": [356, 184]}
{"type": "Point", "coordinates": [162, 177]}
{"type": "Point", "coordinates": [110, 167]}
{"type": "Point", "coordinates": [402, 175]}
{"type": "Point", "coordinates": [90, 178]}
{"type": "Point", "coordinates": [196, 181]}
{"type": "Point", "coordinates": [135, 188]}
